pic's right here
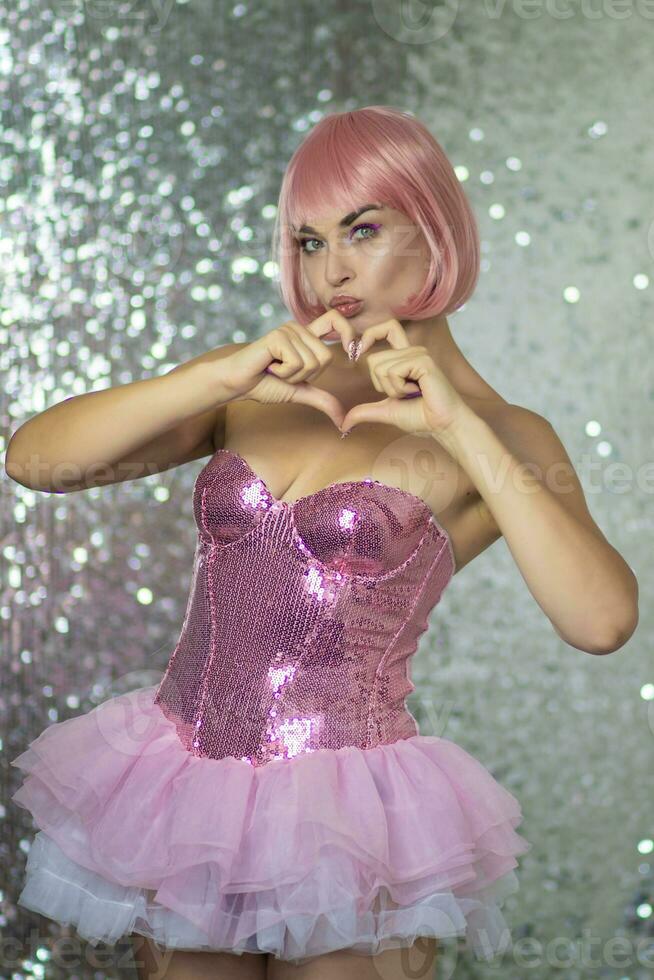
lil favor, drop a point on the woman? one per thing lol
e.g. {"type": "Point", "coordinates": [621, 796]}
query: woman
{"type": "Point", "coordinates": [270, 808]}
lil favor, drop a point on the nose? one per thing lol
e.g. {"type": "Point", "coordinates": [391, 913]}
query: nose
{"type": "Point", "coordinates": [338, 267]}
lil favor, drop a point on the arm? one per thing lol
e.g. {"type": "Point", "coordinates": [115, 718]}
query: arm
{"type": "Point", "coordinates": [527, 481]}
{"type": "Point", "coordinates": [121, 433]}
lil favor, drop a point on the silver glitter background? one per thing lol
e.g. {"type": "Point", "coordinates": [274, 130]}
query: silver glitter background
{"type": "Point", "coordinates": [143, 144]}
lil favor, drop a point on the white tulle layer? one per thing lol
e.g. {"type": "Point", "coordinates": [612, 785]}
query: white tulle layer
{"type": "Point", "coordinates": [103, 911]}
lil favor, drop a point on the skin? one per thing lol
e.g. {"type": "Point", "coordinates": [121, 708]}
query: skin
{"type": "Point", "coordinates": [416, 961]}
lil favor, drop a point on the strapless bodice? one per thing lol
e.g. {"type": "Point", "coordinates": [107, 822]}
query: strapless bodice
{"type": "Point", "coordinates": [302, 617]}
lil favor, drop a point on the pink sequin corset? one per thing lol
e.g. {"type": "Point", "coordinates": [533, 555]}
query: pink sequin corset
{"type": "Point", "coordinates": [302, 617]}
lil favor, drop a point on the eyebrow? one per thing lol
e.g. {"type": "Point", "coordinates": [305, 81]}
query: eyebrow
{"type": "Point", "coordinates": [347, 220]}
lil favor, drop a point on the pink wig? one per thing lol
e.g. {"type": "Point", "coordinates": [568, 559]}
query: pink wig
{"type": "Point", "coordinates": [383, 154]}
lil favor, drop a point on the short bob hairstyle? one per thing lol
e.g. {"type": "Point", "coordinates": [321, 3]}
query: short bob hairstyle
{"type": "Point", "coordinates": [385, 154]}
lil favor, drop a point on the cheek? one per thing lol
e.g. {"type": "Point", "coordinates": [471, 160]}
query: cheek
{"type": "Point", "coordinates": [306, 277]}
{"type": "Point", "coordinates": [402, 256]}
{"type": "Point", "coordinates": [395, 270]}
{"type": "Point", "coordinates": [396, 277]}
{"type": "Point", "coordinates": [384, 265]}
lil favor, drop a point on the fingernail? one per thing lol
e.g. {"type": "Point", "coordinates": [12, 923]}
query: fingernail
{"type": "Point", "coordinates": [353, 348]}
{"type": "Point", "coordinates": [346, 433]}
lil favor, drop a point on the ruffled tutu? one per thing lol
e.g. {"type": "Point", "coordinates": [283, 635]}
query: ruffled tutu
{"type": "Point", "coordinates": [360, 849]}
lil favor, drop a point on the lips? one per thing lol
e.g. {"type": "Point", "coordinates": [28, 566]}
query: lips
{"type": "Point", "coordinates": [349, 309]}
{"type": "Point", "coordinates": [341, 299]}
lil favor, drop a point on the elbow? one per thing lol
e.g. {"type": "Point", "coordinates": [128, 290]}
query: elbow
{"type": "Point", "coordinates": [608, 642]}
{"type": "Point", "coordinates": [620, 627]}
{"type": "Point", "coordinates": [12, 471]}
{"type": "Point", "coordinates": [611, 637]}
{"type": "Point", "coordinates": [623, 626]}
{"type": "Point", "coordinates": [17, 473]}
{"type": "Point", "coordinates": [620, 630]}
{"type": "Point", "coordinates": [612, 641]}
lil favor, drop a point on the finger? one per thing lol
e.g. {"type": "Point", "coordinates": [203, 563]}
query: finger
{"type": "Point", "coordinates": [402, 385]}
{"type": "Point", "coordinates": [333, 320]}
{"type": "Point", "coordinates": [298, 362]}
{"type": "Point", "coordinates": [320, 351]}
{"type": "Point", "coordinates": [400, 377]}
{"type": "Point", "coordinates": [393, 379]}
{"type": "Point", "coordinates": [367, 412]}
{"type": "Point", "coordinates": [384, 381]}
{"type": "Point", "coordinates": [390, 330]}
{"type": "Point", "coordinates": [324, 401]}
{"type": "Point", "coordinates": [311, 363]}
{"type": "Point", "coordinates": [380, 374]}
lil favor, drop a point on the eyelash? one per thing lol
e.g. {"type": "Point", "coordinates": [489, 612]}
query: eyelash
{"type": "Point", "coordinates": [373, 227]}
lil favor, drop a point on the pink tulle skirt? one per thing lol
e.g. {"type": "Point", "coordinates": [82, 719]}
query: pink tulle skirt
{"type": "Point", "coordinates": [359, 849]}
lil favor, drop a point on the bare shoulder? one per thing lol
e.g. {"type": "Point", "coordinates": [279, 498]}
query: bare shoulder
{"type": "Point", "coordinates": [529, 436]}
{"type": "Point", "coordinates": [507, 417]}
{"type": "Point", "coordinates": [532, 439]}
{"type": "Point", "coordinates": [519, 425]}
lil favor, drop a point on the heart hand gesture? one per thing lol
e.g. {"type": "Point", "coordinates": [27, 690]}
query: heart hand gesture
{"type": "Point", "coordinates": [277, 367]}
{"type": "Point", "coordinates": [420, 397]}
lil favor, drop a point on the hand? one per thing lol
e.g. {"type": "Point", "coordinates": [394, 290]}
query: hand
{"type": "Point", "coordinates": [420, 398]}
{"type": "Point", "coordinates": [275, 368]}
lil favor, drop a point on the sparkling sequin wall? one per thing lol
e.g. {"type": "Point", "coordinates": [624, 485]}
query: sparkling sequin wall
{"type": "Point", "coordinates": [143, 148]}
{"type": "Point", "coordinates": [302, 617]}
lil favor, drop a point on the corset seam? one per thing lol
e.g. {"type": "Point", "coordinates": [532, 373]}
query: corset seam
{"type": "Point", "coordinates": [199, 711]}
{"type": "Point", "coordinates": [262, 514]}
{"type": "Point", "coordinates": [198, 557]}
{"type": "Point", "coordinates": [372, 707]}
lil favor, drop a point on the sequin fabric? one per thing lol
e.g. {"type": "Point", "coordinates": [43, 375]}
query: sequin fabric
{"type": "Point", "coordinates": [302, 617]}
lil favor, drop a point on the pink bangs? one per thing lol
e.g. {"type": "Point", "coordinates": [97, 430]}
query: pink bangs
{"type": "Point", "coordinates": [383, 154]}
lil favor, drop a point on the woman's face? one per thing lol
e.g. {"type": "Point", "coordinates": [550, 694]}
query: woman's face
{"type": "Point", "coordinates": [375, 254]}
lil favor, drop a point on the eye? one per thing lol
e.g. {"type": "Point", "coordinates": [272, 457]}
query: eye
{"type": "Point", "coordinates": [304, 242]}
{"type": "Point", "coordinates": [366, 226]}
